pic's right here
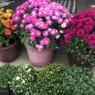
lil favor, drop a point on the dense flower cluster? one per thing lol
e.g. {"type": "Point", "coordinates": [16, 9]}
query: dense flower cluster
{"type": "Point", "coordinates": [44, 21]}
{"type": "Point", "coordinates": [6, 28]}
{"type": "Point", "coordinates": [80, 33]}
{"type": "Point", "coordinates": [50, 80]}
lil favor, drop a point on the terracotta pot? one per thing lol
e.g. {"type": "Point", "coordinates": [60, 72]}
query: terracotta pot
{"type": "Point", "coordinates": [73, 60]}
{"type": "Point", "coordinates": [9, 54]}
{"type": "Point", "coordinates": [40, 58]}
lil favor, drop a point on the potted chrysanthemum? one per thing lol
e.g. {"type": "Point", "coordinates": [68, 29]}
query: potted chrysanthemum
{"type": "Point", "coordinates": [8, 38]}
{"type": "Point", "coordinates": [38, 25]}
{"type": "Point", "coordinates": [7, 72]}
{"type": "Point", "coordinates": [79, 38]}
{"type": "Point", "coordinates": [24, 81]}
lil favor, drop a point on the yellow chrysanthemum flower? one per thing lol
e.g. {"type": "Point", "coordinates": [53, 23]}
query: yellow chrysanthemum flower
{"type": "Point", "coordinates": [2, 9]}
{"type": "Point", "coordinates": [51, 71]}
{"type": "Point", "coordinates": [92, 6]}
{"type": "Point", "coordinates": [57, 69]}
{"type": "Point", "coordinates": [9, 10]}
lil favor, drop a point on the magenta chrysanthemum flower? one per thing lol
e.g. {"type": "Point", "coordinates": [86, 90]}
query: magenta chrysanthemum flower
{"type": "Point", "coordinates": [80, 32]}
{"type": "Point", "coordinates": [92, 45]}
{"type": "Point", "coordinates": [75, 53]}
{"type": "Point", "coordinates": [88, 28]}
{"type": "Point", "coordinates": [86, 38]}
{"type": "Point", "coordinates": [79, 25]}
{"type": "Point", "coordinates": [53, 32]}
{"type": "Point", "coordinates": [62, 41]}
{"type": "Point", "coordinates": [38, 33]}
{"type": "Point", "coordinates": [11, 21]}
{"type": "Point", "coordinates": [67, 38]}
{"type": "Point", "coordinates": [63, 45]}
{"type": "Point", "coordinates": [45, 33]}
{"type": "Point", "coordinates": [49, 22]}
{"type": "Point", "coordinates": [75, 21]}
{"type": "Point", "coordinates": [32, 38]}
{"type": "Point", "coordinates": [94, 56]}
{"type": "Point", "coordinates": [46, 41]}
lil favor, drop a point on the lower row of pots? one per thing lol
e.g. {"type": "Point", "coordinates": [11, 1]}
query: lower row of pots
{"type": "Point", "coordinates": [37, 58]}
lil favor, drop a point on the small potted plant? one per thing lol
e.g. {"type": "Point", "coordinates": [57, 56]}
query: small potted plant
{"type": "Point", "coordinates": [38, 25]}
{"type": "Point", "coordinates": [24, 81]}
{"type": "Point", "coordinates": [7, 72]}
{"type": "Point", "coordinates": [8, 39]}
{"type": "Point", "coordinates": [50, 80]}
{"type": "Point", "coordinates": [79, 39]}
{"type": "Point", "coordinates": [79, 81]}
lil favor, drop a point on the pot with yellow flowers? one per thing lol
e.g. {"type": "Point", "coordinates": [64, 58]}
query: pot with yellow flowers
{"type": "Point", "coordinates": [8, 38]}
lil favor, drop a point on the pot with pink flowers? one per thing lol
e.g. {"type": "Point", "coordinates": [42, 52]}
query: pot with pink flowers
{"type": "Point", "coordinates": [79, 38]}
{"type": "Point", "coordinates": [39, 23]}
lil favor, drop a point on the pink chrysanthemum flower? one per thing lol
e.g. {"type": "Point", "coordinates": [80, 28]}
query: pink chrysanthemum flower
{"type": "Point", "coordinates": [46, 41]}
{"type": "Point", "coordinates": [63, 25]}
{"type": "Point", "coordinates": [45, 33]}
{"type": "Point", "coordinates": [67, 38]}
{"type": "Point", "coordinates": [33, 19]}
{"type": "Point", "coordinates": [29, 18]}
{"type": "Point", "coordinates": [25, 15]}
{"type": "Point", "coordinates": [22, 25]}
{"type": "Point", "coordinates": [64, 15]}
{"type": "Point", "coordinates": [42, 42]}
{"type": "Point", "coordinates": [53, 32]}
{"type": "Point", "coordinates": [49, 29]}
{"type": "Point", "coordinates": [30, 26]}
{"type": "Point", "coordinates": [45, 26]}
{"type": "Point", "coordinates": [23, 21]}
{"type": "Point", "coordinates": [38, 33]}
{"type": "Point", "coordinates": [66, 20]}
{"type": "Point", "coordinates": [11, 21]}
{"type": "Point", "coordinates": [40, 47]}
{"type": "Point", "coordinates": [15, 26]}
{"type": "Point", "coordinates": [49, 22]}
{"type": "Point", "coordinates": [92, 45]}
{"type": "Point", "coordinates": [32, 38]}
{"type": "Point", "coordinates": [26, 27]}
{"type": "Point", "coordinates": [17, 18]}
{"type": "Point", "coordinates": [60, 20]}
{"type": "Point", "coordinates": [47, 17]}
{"type": "Point", "coordinates": [37, 45]}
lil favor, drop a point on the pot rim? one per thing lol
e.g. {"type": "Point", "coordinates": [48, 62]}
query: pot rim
{"type": "Point", "coordinates": [36, 50]}
{"type": "Point", "coordinates": [10, 46]}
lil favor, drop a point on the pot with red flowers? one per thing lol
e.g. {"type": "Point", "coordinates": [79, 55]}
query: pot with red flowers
{"type": "Point", "coordinates": [8, 38]}
{"type": "Point", "coordinates": [38, 24]}
{"type": "Point", "coordinates": [79, 39]}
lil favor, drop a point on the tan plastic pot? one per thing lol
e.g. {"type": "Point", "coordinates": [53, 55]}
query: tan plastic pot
{"type": "Point", "coordinates": [40, 58]}
{"type": "Point", "coordinates": [9, 54]}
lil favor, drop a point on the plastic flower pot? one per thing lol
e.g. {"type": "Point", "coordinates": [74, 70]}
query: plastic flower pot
{"type": "Point", "coordinates": [40, 58]}
{"type": "Point", "coordinates": [73, 60]}
{"type": "Point", "coordinates": [5, 91]}
{"type": "Point", "coordinates": [9, 54]}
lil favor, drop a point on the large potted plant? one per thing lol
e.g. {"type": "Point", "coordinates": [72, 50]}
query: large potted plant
{"type": "Point", "coordinates": [50, 80]}
{"type": "Point", "coordinates": [79, 39]}
{"type": "Point", "coordinates": [7, 72]}
{"type": "Point", "coordinates": [24, 81]}
{"type": "Point", "coordinates": [79, 81]}
{"type": "Point", "coordinates": [38, 25]}
{"type": "Point", "coordinates": [8, 39]}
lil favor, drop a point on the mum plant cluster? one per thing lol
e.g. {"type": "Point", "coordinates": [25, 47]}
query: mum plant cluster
{"type": "Point", "coordinates": [7, 35]}
{"type": "Point", "coordinates": [39, 23]}
{"type": "Point", "coordinates": [79, 37]}
{"type": "Point", "coordinates": [53, 79]}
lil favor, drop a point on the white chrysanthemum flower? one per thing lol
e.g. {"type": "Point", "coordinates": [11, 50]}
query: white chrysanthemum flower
{"type": "Point", "coordinates": [61, 31]}
{"type": "Point", "coordinates": [57, 36]}
{"type": "Point", "coordinates": [28, 70]}
{"type": "Point", "coordinates": [23, 81]}
{"type": "Point", "coordinates": [17, 78]}
{"type": "Point", "coordinates": [63, 25]}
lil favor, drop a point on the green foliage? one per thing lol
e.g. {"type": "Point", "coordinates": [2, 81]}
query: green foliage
{"type": "Point", "coordinates": [24, 81]}
{"type": "Point", "coordinates": [79, 81]}
{"type": "Point", "coordinates": [50, 80]}
{"type": "Point", "coordinates": [7, 72]}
